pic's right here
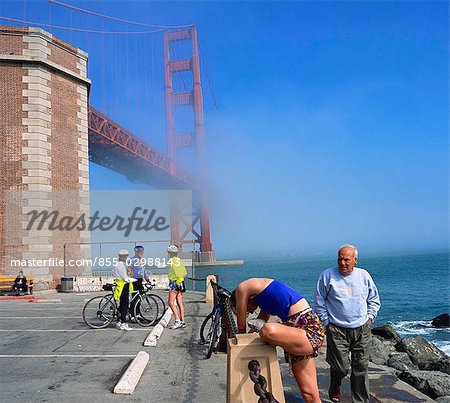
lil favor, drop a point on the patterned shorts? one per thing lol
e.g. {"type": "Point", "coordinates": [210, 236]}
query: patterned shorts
{"type": "Point", "coordinates": [173, 286]}
{"type": "Point", "coordinates": [310, 322]}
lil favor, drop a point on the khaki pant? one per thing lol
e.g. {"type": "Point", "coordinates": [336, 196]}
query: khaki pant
{"type": "Point", "coordinates": [343, 343]}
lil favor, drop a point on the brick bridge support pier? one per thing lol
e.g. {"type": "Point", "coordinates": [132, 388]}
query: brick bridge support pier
{"type": "Point", "coordinates": [44, 149]}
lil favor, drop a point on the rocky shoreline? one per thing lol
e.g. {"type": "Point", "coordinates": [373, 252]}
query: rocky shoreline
{"type": "Point", "coordinates": [414, 360]}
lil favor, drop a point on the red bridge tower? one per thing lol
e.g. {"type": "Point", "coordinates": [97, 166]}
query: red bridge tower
{"type": "Point", "coordinates": [194, 139]}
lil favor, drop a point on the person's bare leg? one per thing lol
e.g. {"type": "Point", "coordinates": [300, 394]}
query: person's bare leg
{"type": "Point", "coordinates": [180, 304]}
{"type": "Point", "coordinates": [305, 374]}
{"type": "Point", "coordinates": [292, 339]}
{"type": "Point", "coordinates": [171, 302]}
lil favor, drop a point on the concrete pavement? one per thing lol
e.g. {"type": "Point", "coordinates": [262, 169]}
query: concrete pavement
{"type": "Point", "coordinates": [48, 354]}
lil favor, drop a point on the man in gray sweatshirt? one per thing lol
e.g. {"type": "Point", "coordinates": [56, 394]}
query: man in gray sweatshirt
{"type": "Point", "coordinates": [347, 302]}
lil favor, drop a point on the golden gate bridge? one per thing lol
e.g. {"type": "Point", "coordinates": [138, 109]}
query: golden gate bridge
{"type": "Point", "coordinates": [115, 147]}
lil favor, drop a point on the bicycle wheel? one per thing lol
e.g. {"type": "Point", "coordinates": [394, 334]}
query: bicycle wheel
{"type": "Point", "coordinates": [213, 335]}
{"type": "Point", "coordinates": [146, 311]}
{"type": "Point", "coordinates": [106, 298]}
{"type": "Point", "coordinates": [99, 312]}
{"type": "Point", "coordinates": [161, 305]}
{"type": "Point", "coordinates": [109, 298]}
{"type": "Point", "coordinates": [205, 325]}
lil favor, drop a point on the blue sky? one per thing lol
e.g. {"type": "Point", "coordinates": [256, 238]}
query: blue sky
{"type": "Point", "coordinates": [332, 124]}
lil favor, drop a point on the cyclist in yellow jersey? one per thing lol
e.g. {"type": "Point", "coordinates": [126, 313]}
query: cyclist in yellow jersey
{"type": "Point", "coordinates": [123, 287]}
{"type": "Point", "coordinates": [177, 274]}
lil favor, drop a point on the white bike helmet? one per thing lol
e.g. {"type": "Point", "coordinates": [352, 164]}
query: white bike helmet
{"type": "Point", "coordinates": [172, 248]}
{"type": "Point", "coordinates": [123, 252]}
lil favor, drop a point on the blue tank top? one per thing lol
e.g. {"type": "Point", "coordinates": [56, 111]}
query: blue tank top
{"type": "Point", "coordinates": [277, 299]}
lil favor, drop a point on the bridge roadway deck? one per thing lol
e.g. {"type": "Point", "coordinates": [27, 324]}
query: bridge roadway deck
{"type": "Point", "coordinates": [47, 354]}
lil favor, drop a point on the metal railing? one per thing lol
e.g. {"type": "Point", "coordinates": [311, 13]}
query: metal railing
{"type": "Point", "coordinates": [94, 274]}
{"type": "Point", "coordinates": [98, 251]}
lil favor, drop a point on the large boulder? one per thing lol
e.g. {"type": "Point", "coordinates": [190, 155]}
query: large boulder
{"type": "Point", "coordinates": [401, 362]}
{"type": "Point", "coordinates": [442, 320]}
{"type": "Point", "coordinates": [380, 351]}
{"type": "Point", "coordinates": [433, 383]}
{"type": "Point", "coordinates": [424, 354]}
{"type": "Point", "coordinates": [442, 365]}
{"type": "Point", "coordinates": [386, 332]}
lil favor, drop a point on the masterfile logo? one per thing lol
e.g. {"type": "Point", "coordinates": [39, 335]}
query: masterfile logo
{"type": "Point", "coordinates": [141, 219]}
{"type": "Point", "coordinates": [106, 216]}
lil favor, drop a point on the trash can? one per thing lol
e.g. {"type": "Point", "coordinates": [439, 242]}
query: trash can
{"type": "Point", "coordinates": [66, 284]}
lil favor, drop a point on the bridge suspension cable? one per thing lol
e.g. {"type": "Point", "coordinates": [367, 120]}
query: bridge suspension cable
{"type": "Point", "coordinates": [119, 19]}
{"type": "Point", "coordinates": [208, 79]}
{"type": "Point", "coordinates": [90, 31]}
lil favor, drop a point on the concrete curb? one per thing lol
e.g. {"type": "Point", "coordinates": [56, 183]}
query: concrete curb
{"type": "Point", "coordinates": [166, 317]}
{"type": "Point", "coordinates": [45, 292]}
{"type": "Point", "coordinates": [48, 301]}
{"type": "Point", "coordinates": [127, 383]}
{"type": "Point", "coordinates": [155, 334]}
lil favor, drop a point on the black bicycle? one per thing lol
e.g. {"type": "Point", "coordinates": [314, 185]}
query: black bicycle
{"type": "Point", "coordinates": [100, 311]}
{"type": "Point", "coordinates": [161, 304]}
{"type": "Point", "coordinates": [220, 319]}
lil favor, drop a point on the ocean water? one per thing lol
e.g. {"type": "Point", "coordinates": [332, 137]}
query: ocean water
{"type": "Point", "coordinates": [413, 288]}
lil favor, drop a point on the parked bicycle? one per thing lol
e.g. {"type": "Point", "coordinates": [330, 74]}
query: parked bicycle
{"type": "Point", "coordinates": [149, 286]}
{"type": "Point", "coordinates": [101, 310]}
{"type": "Point", "coordinates": [219, 320]}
